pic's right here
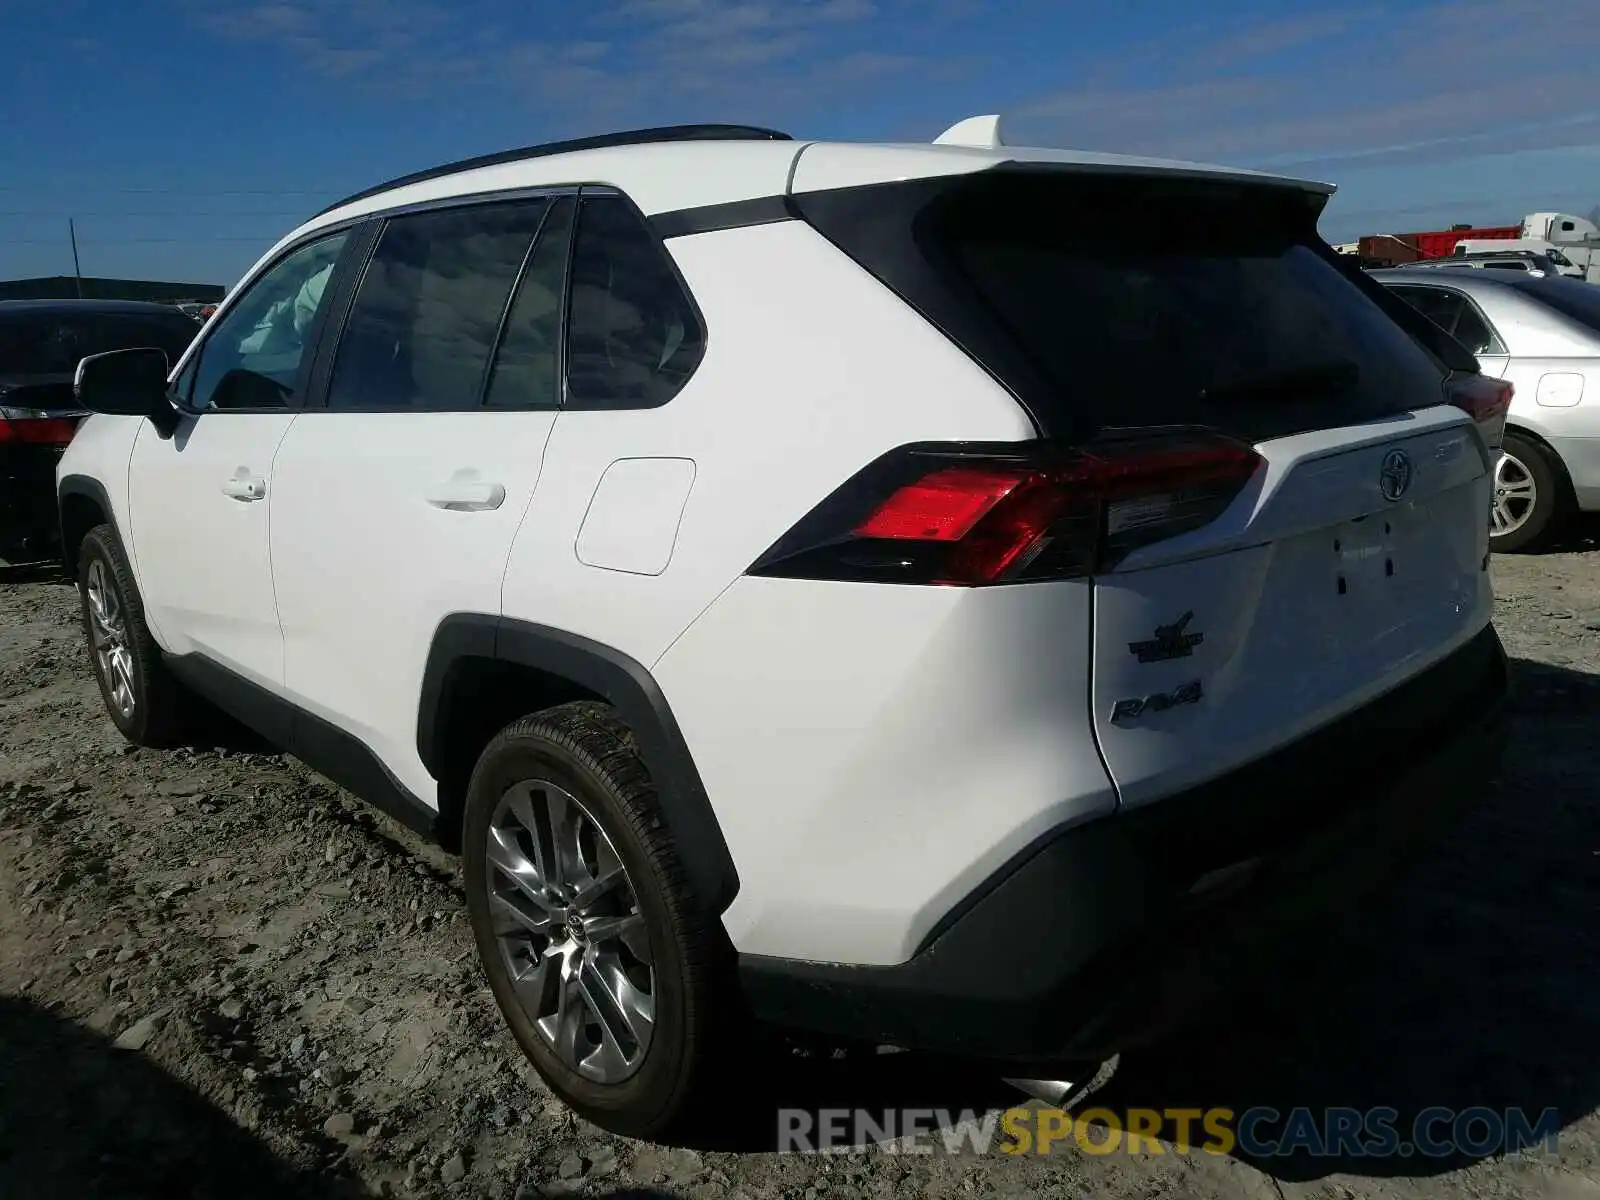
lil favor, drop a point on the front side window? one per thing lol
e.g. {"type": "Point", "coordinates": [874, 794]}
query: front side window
{"type": "Point", "coordinates": [633, 338]}
{"type": "Point", "coordinates": [252, 359]}
{"type": "Point", "coordinates": [428, 310]}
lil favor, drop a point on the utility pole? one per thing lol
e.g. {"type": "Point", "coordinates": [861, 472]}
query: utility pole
{"type": "Point", "coordinates": [77, 271]}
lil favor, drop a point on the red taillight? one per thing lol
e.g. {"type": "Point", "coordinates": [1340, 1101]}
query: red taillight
{"type": "Point", "coordinates": [919, 517]}
{"type": "Point", "coordinates": [1487, 401]}
{"type": "Point", "coordinates": [23, 429]}
{"type": "Point", "coordinates": [942, 507]}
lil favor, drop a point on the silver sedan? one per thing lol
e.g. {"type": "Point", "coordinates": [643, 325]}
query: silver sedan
{"type": "Point", "coordinates": [1543, 335]}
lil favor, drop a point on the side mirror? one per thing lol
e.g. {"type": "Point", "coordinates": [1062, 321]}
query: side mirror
{"type": "Point", "coordinates": [127, 383]}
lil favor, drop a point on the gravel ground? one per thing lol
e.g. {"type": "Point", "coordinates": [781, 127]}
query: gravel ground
{"type": "Point", "coordinates": [220, 976]}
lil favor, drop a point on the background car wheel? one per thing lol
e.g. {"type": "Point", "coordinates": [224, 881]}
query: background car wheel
{"type": "Point", "coordinates": [1529, 497]}
{"type": "Point", "coordinates": [148, 706]}
{"type": "Point", "coordinates": [618, 991]}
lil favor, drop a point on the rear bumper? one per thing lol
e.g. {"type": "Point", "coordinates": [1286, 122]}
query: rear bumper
{"type": "Point", "coordinates": [29, 521]}
{"type": "Point", "coordinates": [1115, 931]}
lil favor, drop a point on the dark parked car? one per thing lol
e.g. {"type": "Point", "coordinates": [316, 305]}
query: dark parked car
{"type": "Point", "coordinates": [41, 342]}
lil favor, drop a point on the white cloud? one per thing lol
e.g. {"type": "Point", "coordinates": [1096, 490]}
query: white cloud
{"type": "Point", "coordinates": [1457, 79]}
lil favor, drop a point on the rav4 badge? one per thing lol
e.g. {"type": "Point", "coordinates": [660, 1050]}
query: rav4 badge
{"type": "Point", "coordinates": [1136, 706]}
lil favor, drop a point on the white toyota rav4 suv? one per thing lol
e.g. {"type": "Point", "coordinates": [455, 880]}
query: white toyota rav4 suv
{"type": "Point", "coordinates": [854, 587]}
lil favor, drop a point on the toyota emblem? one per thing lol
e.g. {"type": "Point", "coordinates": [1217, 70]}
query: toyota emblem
{"type": "Point", "coordinates": [1394, 477]}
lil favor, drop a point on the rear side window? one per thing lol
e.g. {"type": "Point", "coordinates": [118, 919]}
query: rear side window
{"type": "Point", "coordinates": [1572, 298]}
{"type": "Point", "coordinates": [1452, 312]}
{"type": "Point", "coordinates": [426, 315]}
{"type": "Point", "coordinates": [527, 366]}
{"type": "Point", "coordinates": [633, 336]}
{"type": "Point", "coordinates": [1114, 302]}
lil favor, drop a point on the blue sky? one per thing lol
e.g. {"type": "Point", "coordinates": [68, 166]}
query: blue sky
{"type": "Point", "coordinates": [186, 135]}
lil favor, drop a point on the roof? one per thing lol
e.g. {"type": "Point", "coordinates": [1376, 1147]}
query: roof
{"type": "Point", "coordinates": [130, 307]}
{"type": "Point", "coordinates": [681, 167]}
{"type": "Point", "coordinates": [1466, 278]}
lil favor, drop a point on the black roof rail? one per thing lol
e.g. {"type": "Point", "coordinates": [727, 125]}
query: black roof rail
{"type": "Point", "coordinates": [633, 137]}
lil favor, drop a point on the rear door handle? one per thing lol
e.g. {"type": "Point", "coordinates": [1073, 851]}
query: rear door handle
{"type": "Point", "coordinates": [467, 495]}
{"type": "Point", "coordinates": [245, 487]}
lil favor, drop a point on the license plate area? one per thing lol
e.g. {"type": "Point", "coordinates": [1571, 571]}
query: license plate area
{"type": "Point", "coordinates": [1367, 552]}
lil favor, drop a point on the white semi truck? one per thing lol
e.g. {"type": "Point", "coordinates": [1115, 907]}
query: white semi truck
{"type": "Point", "coordinates": [1573, 243]}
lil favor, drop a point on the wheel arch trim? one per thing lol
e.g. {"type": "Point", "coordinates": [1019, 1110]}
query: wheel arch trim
{"type": "Point", "coordinates": [89, 488]}
{"type": "Point", "coordinates": [622, 682]}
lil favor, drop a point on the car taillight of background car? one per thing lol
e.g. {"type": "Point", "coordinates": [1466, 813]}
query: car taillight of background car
{"type": "Point", "coordinates": [35, 427]}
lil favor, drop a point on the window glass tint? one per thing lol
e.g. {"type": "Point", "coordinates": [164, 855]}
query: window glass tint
{"type": "Point", "coordinates": [1217, 314]}
{"type": "Point", "coordinates": [1473, 331]}
{"type": "Point", "coordinates": [1573, 298]}
{"type": "Point", "coordinates": [1503, 265]}
{"type": "Point", "coordinates": [527, 368]}
{"type": "Point", "coordinates": [1439, 306]}
{"type": "Point", "coordinates": [52, 343]}
{"type": "Point", "coordinates": [1456, 315]}
{"type": "Point", "coordinates": [425, 316]}
{"type": "Point", "coordinates": [252, 357]}
{"type": "Point", "coordinates": [126, 331]}
{"type": "Point", "coordinates": [1224, 309]}
{"type": "Point", "coordinates": [633, 338]}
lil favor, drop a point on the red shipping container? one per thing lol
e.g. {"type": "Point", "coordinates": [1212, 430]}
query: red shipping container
{"type": "Point", "coordinates": [1442, 244]}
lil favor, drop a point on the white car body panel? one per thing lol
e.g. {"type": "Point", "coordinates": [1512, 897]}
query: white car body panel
{"type": "Point", "coordinates": [1313, 594]}
{"type": "Point", "coordinates": [805, 429]}
{"type": "Point", "coordinates": [100, 450]}
{"type": "Point", "coordinates": [357, 514]}
{"type": "Point", "coordinates": [205, 566]}
{"type": "Point", "coordinates": [876, 752]}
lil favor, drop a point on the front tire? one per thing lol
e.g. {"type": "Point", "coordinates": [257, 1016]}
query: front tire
{"type": "Point", "coordinates": [616, 988]}
{"type": "Point", "coordinates": [1530, 497]}
{"type": "Point", "coordinates": [148, 706]}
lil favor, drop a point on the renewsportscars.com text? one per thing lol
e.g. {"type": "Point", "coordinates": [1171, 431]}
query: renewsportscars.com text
{"type": "Point", "coordinates": [1254, 1132]}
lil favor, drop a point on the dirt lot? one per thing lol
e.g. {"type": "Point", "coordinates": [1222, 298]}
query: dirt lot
{"type": "Point", "coordinates": [221, 977]}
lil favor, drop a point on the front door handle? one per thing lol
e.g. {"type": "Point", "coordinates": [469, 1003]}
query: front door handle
{"type": "Point", "coordinates": [467, 495]}
{"type": "Point", "coordinates": [245, 487]}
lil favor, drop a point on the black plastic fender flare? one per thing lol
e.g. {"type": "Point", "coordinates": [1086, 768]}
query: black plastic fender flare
{"type": "Point", "coordinates": [90, 489]}
{"type": "Point", "coordinates": [625, 684]}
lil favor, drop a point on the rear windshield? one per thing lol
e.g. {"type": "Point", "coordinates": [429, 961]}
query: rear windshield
{"type": "Point", "coordinates": [1108, 301]}
{"type": "Point", "coordinates": [1572, 298]}
{"type": "Point", "coordinates": [51, 343]}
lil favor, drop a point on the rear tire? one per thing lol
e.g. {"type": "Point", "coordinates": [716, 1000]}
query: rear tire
{"type": "Point", "coordinates": [147, 705]}
{"type": "Point", "coordinates": [617, 989]}
{"type": "Point", "coordinates": [1530, 497]}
